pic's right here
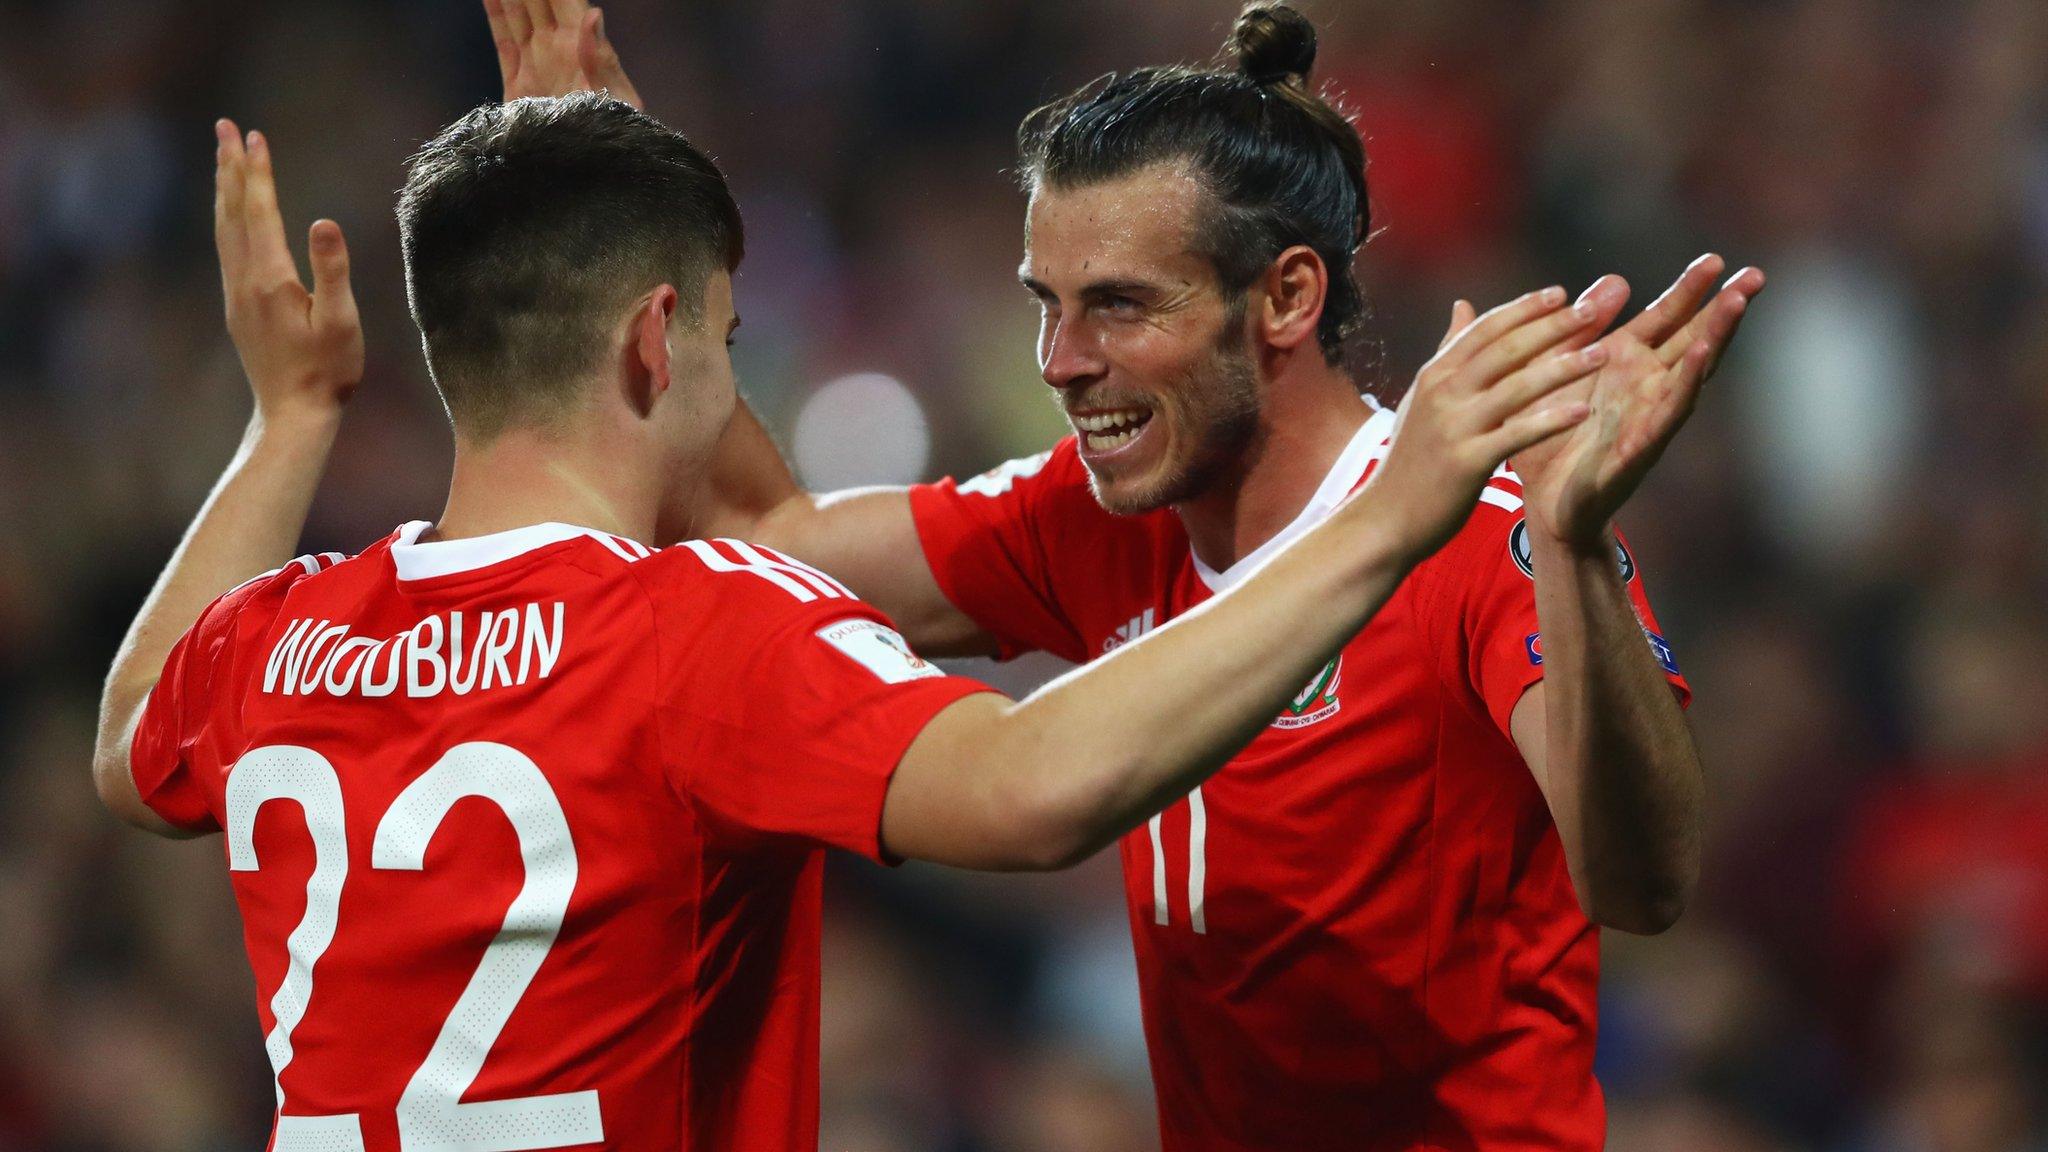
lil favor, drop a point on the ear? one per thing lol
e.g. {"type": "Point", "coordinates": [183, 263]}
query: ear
{"type": "Point", "coordinates": [1297, 283]}
{"type": "Point", "coordinates": [651, 354]}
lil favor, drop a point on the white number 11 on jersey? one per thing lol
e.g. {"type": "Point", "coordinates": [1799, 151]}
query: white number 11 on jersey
{"type": "Point", "coordinates": [1198, 865]}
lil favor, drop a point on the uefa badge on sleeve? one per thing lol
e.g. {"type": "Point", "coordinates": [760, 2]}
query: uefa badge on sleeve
{"type": "Point", "coordinates": [1524, 555]}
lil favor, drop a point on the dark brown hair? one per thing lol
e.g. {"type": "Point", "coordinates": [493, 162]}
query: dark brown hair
{"type": "Point", "coordinates": [530, 226]}
{"type": "Point", "coordinates": [1282, 165]}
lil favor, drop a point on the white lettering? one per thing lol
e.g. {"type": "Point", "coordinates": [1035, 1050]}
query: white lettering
{"type": "Point", "coordinates": [495, 651]}
{"type": "Point", "coordinates": [360, 644]}
{"type": "Point", "coordinates": [538, 641]}
{"type": "Point", "coordinates": [287, 649]}
{"type": "Point", "coordinates": [439, 654]}
{"type": "Point", "coordinates": [417, 654]}
{"type": "Point", "coordinates": [389, 684]}
{"type": "Point", "coordinates": [313, 667]}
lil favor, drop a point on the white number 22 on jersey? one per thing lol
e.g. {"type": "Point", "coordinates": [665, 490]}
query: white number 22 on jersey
{"type": "Point", "coordinates": [431, 1115]}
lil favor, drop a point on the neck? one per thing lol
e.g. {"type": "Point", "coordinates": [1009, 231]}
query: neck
{"type": "Point", "coordinates": [1310, 413]}
{"type": "Point", "coordinates": [525, 476]}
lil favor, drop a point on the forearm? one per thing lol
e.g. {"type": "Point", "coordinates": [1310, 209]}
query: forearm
{"type": "Point", "coordinates": [1094, 753]}
{"type": "Point", "coordinates": [1620, 770]}
{"type": "Point", "coordinates": [250, 523]}
{"type": "Point", "coordinates": [866, 537]}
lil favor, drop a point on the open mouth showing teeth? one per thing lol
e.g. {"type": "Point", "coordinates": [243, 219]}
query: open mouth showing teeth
{"type": "Point", "coordinates": [1104, 431]}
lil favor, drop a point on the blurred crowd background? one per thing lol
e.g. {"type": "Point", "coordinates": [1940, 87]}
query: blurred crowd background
{"type": "Point", "coordinates": [1846, 545]}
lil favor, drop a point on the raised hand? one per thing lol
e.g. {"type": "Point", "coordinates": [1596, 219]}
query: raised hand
{"type": "Point", "coordinates": [1481, 399]}
{"type": "Point", "coordinates": [1656, 363]}
{"type": "Point", "coordinates": [302, 351]}
{"type": "Point", "coordinates": [555, 47]}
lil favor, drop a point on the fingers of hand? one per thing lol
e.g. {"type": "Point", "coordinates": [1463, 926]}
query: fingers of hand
{"type": "Point", "coordinates": [1496, 322]}
{"type": "Point", "coordinates": [268, 254]}
{"type": "Point", "coordinates": [539, 13]}
{"type": "Point", "coordinates": [1716, 324]}
{"type": "Point", "coordinates": [1532, 428]}
{"type": "Point", "coordinates": [1461, 318]}
{"type": "Point", "coordinates": [333, 298]}
{"type": "Point", "coordinates": [228, 231]}
{"type": "Point", "coordinates": [1540, 379]}
{"type": "Point", "coordinates": [518, 24]}
{"type": "Point", "coordinates": [1606, 297]}
{"type": "Point", "coordinates": [1523, 343]}
{"type": "Point", "coordinates": [504, 41]}
{"type": "Point", "coordinates": [567, 13]}
{"type": "Point", "coordinates": [1749, 281]}
{"type": "Point", "coordinates": [1670, 312]}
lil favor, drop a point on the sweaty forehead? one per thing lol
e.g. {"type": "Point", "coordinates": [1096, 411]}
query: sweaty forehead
{"type": "Point", "coordinates": [1139, 226]}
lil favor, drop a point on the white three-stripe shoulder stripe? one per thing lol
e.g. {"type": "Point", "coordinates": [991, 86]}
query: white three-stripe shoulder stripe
{"type": "Point", "coordinates": [791, 575]}
{"type": "Point", "coordinates": [1497, 492]}
{"type": "Point", "coordinates": [312, 564]}
{"type": "Point", "coordinates": [631, 551]}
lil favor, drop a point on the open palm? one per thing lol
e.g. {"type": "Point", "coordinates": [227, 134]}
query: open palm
{"type": "Point", "coordinates": [555, 47]}
{"type": "Point", "coordinates": [1573, 484]}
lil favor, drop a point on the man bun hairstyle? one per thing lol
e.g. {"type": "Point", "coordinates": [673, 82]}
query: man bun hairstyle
{"type": "Point", "coordinates": [1273, 44]}
{"type": "Point", "coordinates": [1282, 165]}
{"type": "Point", "coordinates": [529, 228]}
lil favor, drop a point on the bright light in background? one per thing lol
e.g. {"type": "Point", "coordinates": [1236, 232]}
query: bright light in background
{"type": "Point", "coordinates": [861, 429]}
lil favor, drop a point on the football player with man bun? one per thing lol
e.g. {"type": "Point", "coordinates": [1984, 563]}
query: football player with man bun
{"type": "Point", "coordinates": [524, 815]}
{"type": "Point", "coordinates": [1376, 927]}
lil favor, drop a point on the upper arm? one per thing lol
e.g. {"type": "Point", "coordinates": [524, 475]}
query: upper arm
{"type": "Point", "coordinates": [113, 776]}
{"type": "Point", "coordinates": [945, 805]}
{"type": "Point", "coordinates": [144, 765]}
{"type": "Point", "coordinates": [868, 538]}
{"type": "Point", "coordinates": [1527, 728]}
{"type": "Point", "coordinates": [786, 704]}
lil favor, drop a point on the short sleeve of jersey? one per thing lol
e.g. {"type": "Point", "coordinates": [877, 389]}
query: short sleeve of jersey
{"type": "Point", "coordinates": [786, 702]}
{"type": "Point", "coordinates": [1478, 602]}
{"type": "Point", "coordinates": [987, 540]}
{"type": "Point", "coordinates": [177, 712]}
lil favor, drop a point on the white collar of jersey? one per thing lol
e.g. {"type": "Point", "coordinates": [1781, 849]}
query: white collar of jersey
{"type": "Point", "coordinates": [1342, 478]}
{"type": "Point", "coordinates": [416, 561]}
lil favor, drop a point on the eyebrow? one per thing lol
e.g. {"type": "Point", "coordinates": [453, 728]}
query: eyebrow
{"type": "Point", "coordinates": [1114, 287]}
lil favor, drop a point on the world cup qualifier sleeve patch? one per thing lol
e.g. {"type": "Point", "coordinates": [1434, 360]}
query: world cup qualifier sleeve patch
{"type": "Point", "coordinates": [1524, 554]}
{"type": "Point", "coordinates": [879, 650]}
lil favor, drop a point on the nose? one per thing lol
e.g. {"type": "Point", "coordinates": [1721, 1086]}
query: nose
{"type": "Point", "coordinates": [1069, 353]}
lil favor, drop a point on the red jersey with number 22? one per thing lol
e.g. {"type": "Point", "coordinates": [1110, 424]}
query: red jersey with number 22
{"type": "Point", "coordinates": [526, 829]}
{"type": "Point", "coordinates": [1360, 934]}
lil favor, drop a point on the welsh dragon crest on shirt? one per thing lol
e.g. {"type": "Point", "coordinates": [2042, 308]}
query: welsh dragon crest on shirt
{"type": "Point", "coordinates": [1318, 701]}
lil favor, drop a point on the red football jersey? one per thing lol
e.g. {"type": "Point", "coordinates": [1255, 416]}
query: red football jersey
{"type": "Point", "coordinates": [549, 874]}
{"type": "Point", "coordinates": [1360, 934]}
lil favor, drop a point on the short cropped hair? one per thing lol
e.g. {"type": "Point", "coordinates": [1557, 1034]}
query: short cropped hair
{"type": "Point", "coordinates": [528, 228]}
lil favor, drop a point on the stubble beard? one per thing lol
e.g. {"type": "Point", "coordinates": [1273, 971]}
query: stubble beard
{"type": "Point", "coordinates": [1214, 410]}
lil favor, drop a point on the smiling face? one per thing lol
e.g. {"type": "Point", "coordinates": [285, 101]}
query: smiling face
{"type": "Point", "coordinates": [1149, 357]}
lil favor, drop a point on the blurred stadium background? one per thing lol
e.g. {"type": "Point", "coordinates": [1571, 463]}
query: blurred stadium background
{"type": "Point", "coordinates": [1847, 545]}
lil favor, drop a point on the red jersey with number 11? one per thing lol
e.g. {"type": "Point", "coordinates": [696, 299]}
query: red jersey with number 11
{"type": "Point", "coordinates": [1360, 934]}
{"type": "Point", "coordinates": [526, 829]}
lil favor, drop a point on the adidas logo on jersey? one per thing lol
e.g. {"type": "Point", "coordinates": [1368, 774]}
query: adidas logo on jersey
{"type": "Point", "coordinates": [1131, 629]}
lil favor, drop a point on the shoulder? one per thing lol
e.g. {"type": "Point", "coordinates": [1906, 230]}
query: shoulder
{"type": "Point", "coordinates": [260, 599]}
{"type": "Point", "coordinates": [1493, 542]}
{"type": "Point", "coordinates": [737, 587]}
{"type": "Point", "coordinates": [1054, 479]}
{"type": "Point", "coordinates": [238, 621]}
